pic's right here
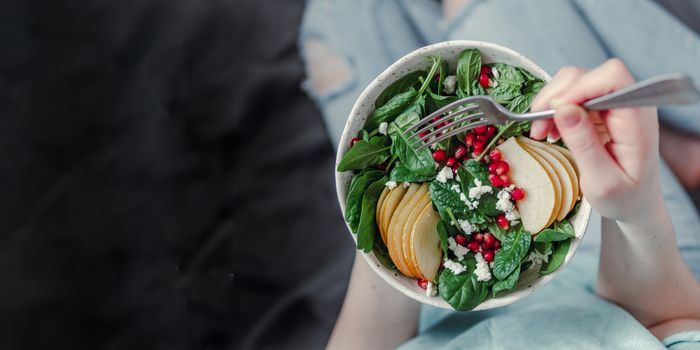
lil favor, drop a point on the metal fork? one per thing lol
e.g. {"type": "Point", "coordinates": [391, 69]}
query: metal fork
{"type": "Point", "coordinates": [669, 89]}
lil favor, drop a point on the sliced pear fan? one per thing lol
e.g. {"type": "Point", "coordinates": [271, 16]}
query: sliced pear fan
{"type": "Point", "coordinates": [406, 233]}
{"type": "Point", "coordinates": [426, 252]}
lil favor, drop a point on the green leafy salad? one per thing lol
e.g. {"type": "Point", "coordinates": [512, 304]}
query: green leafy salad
{"type": "Point", "coordinates": [473, 215]}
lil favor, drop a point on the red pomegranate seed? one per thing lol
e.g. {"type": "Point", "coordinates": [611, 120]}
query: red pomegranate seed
{"type": "Point", "coordinates": [492, 168]}
{"type": "Point", "coordinates": [503, 222]}
{"type": "Point", "coordinates": [489, 240]}
{"type": "Point", "coordinates": [495, 155]}
{"type": "Point", "coordinates": [479, 237]}
{"type": "Point", "coordinates": [480, 130]}
{"type": "Point", "coordinates": [440, 125]}
{"type": "Point", "coordinates": [496, 245]}
{"type": "Point", "coordinates": [461, 240]}
{"type": "Point", "coordinates": [488, 255]}
{"type": "Point", "coordinates": [424, 134]}
{"type": "Point", "coordinates": [439, 155]}
{"type": "Point", "coordinates": [484, 80]}
{"type": "Point", "coordinates": [485, 70]}
{"type": "Point", "coordinates": [481, 138]}
{"type": "Point", "coordinates": [469, 139]}
{"type": "Point", "coordinates": [353, 141]}
{"type": "Point", "coordinates": [460, 152]}
{"type": "Point", "coordinates": [451, 162]}
{"type": "Point", "coordinates": [502, 168]}
{"type": "Point", "coordinates": [505, 180]}
{"type": "Point", "coordinates": [422, 283]}
{"type": "Point", "coordinates": [490, 131]}
{"type": "Point", "coordinates": [495, 180]}
{"type": "Point", "coordinates": [517, 194]}
{"type": "Point", "coordinates": [437, 118]}
{"type": "Point", "coordinates": [436, 77]}
{"type": "Point", "coordinates": [473, 246]}
{"type": "Point", "coordinates": [479, 146]}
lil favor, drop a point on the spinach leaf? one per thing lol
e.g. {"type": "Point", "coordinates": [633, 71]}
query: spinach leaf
{"type": "Point", "coordinates": [557, 257]}
{"type": "Point", "coordinates": [405, 120]}
{"type": "Point", "coordinates": [560, 231]}
{"type": "Point", "coordinates": [364, 135]}
{"type": "Point", "coordinates": [442, 231]}
{"type": "Point", "coordinates": [353, 202]}
{"type": "Point", "coordinates": [382, 253]}
{"type": "Point", "coordinates": [513, 249]}
{"type": "Point", "coordinates": [468, 69]}
{"type": "Point", "coordinates": [513, 129]}
{"type": "Point", "coordinates": [401, 174]}
{"type": "Point", "coordinates": [463, 292]}
{"type": "Point", "coordinates": [521, 104]}
{"type": "Point", "coordinates": [508, 84]}
{"type": "Point", "coordinates": [465, 179]}
{"type": "Point", "coordinates": [401, 85]}
{"type": "Point", "coordinates": [487, 205]}
{"type": "Point", "coordinates": [395, 106]}
{"type": "Point", "coordinates": [444, 71]}
{"type": "Point", "coordinates": [477, 89]}
{"type": "Point", "coordinates": [528, 77]}
{"type": "Point", "coordinates": [362, 155]}
{"type": "Point", "coordinates": [533, 87]}
{"type": "Point", "coordinates": [418, 106]}
{"type": "Point", "coordinates": [431, 73]}
{"type": "Point", "coordinates": [379, 140]}
{"type": "Point", "coordinates": [508, 283]}
{"type": "Point", "coordinates": [418, 162]}
{"type": "Point", "coordinates": [573, 211]}
{"type": "Point", "coordinates": [544, 248]}
{"type": "Point", "coordinates": [497, 231]}
{"type": "Point", "coordinates": [477, 170]}
{"type": "Point", "coordinates": [444, 199]}
{"type": "Point", "coordinates": [367, 228]}
{"type": "Point", "coordinates": [437, 101]}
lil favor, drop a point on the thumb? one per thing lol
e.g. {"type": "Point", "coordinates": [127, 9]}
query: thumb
{"type": "Point", "coordinates": [580, 136]}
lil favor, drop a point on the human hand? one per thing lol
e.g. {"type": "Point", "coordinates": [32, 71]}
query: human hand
{"type": "Point", "coordinates": [616, 150]}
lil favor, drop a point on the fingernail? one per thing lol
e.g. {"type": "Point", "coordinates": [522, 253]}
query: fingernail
{"type": "Point", "coordinates": [569, 116]}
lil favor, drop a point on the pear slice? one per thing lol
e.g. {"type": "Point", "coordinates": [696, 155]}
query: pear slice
{"type": "Point", "coordinates": [380, 204]}
{"type": "Point", "coordinates": [406, 233]}
{"type": "Point", "coordinates": [392, 219]}
{"type": "Point", "coordinates": [570, 169]}
{"type": "Point", "coordinates": [526, 172]}
{"type": "Point", "coordinates": [566, 153]}
{"type": "Point", "coordinates": [390, 203]}
{"type": "Point", "coordinates": [396, 225]}
{"type": "Point", "coordinates": [567, 187]}
{"type": "Point", "coordinates": [426, 252]}
{"type": "Point", "coordinates": [537, 154]}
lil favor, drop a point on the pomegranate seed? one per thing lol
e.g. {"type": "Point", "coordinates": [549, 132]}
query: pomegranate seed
{"type": "Point", "coordinates": [481, 139]}
{"type": "Point", "coordinates": [422, 283]}
{"type": "Point", "coordinates": [473, 246]}
{"type": "Point", "coordinates": [451, 162]}
{"type": "Point", "coordinates": [484, 80]}
{"type": "Point", "coordinates": [476, 153]}
{"type": "Point", "coordinates": [502, 168]}
{"type": "Point", "coordinates": [437, 118]}
{"type": "Point", "coordinates": [479, 146]}
{"type": "Point", "coordinates": [424, 134]}
{"type": "Point", "coordinates": [440, 125]}
{"type": "Point", "coordinates": [495, 155]}
{"type": "Point", "coordinates": [461, 240]}
{"type": "Point", "coordinates": [485, 70]}
{"type": "Point", "coordinates": [488, 255]}
{"type": "Point", "coordinates": [460, 152]}
{"type": "Point", "coordinates": [436, 77]}
{"type": "Point", "coordinates": [469, 139]}
{"type": "Point", "coordinates": [439, 155]}
{"type": "Point", "coordinates": [503, 222]}
{"type": "Point", "coordinates": [353, 141]}
{"type": "Point", "coordinates": [517, 194]}
{"type": "Point", "coordinates": [480, 130]}
{"type": "Point", "coordinates": [505, 180]}
{"type": "Point", "coordinates": [492, 168]}
{"type": "Point", "coordinates": [490, 131]}
{"type": "Point", "coordinates": [489, 240]}
{"type": "Point", "coordinates": [496, 245]}
{"type": "Point", "coordinates": [495, 180]}
{"type": "Point", "coordinates": [479, 237]}
{"type": "Point", "coordinates": [442, 264]}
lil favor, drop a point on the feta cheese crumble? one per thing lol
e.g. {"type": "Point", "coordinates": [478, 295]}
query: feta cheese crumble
{"type": "Point", "coordinates": [391, 184]}
{"type": "Point", "coordinates": [455, 267]}
{"type": "Point", "coordinates": [458, 250]}
{"type": "Point", "coordinates": [537, 257]}
{"type": "Point", "coordinates": [444, 175]}
{"type": "Point", "coordinates": [482, 271]}
{"type": "Point", "coordinates": [431, 289]}
{"type": "Point", "coordinates": [478, 190]}
{"type": "Point", "coordinates": [495, 72]}
{"type": "Point", "coordinates": [406, 184]}
{"type": "Point", "coordinates": [505, 205]}
{"type": "Point", "coordinates": [465, 226]}
{"type": "Point", "coordinates": [382, 128]}
{"type": "Point", "coordinates": [449, 84]}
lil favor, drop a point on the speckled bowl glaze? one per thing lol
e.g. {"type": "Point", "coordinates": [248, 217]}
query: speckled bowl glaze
{"type": "Point", "coordinates": [418, 60]}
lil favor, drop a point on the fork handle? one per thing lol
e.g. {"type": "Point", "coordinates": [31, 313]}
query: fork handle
{"type": "Point", "coordinates": [668, 89]}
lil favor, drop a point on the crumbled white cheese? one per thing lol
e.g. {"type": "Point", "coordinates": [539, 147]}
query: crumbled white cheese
{"type": "Point", "coordinates": [455, 267]}
{"type": "Point", "coordinates": [476, 191]}
{"type": "Point", "coordinates": [459, 250]}
{"type": "Point", "coordinates": [391, 184]}
{"type": "Point", "coordinates": [537, 257]}
{"type": "Point", "coordinates": [437, 165]}
{"type": "Point", "coordinates": [444, 175]}
{"type": "Point", "coordinates": [457, 178]}
{"type": "Point", "coordinates": [505, 205]}
{"type": "Point", "coordinates": [465, 226]}
{"type": "Point", "coordinates": [482, 271]}
{"type": "Point", "coordinates": [513, 216]}
{"type": "Point", "coordinates": [456, 188]}
{"type": "Point", "coordinates": [382, 128]}
{"type": "Point", "coordinates": [406, 184]}
{"type": "Point", "coordinates": [495, 72]}
{"type": "Point", "coordinates": [431, 289]}
{"type": "Point", "coordinates": [434, 146]}
{"type": "Point", "coordinates": [449, 84]}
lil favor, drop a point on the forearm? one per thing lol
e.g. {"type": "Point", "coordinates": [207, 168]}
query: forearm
{"type": "Point", "coordinates": [641, 269]}
{"type": "Point", "coordinates": [374, 315]}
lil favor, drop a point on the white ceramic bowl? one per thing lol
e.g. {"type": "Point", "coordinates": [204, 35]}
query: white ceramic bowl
{"type": "Point", "coordinates": [418, 60]}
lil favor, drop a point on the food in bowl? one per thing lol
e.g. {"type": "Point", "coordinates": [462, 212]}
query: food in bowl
{"type": "Point", "coordinates": [470, 216]}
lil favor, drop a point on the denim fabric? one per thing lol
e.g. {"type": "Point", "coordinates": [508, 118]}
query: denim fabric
{"type": "Point", "coordinates": [372, 34]}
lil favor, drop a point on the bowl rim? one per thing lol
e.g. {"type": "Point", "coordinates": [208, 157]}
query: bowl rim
{"type": "Point", "coordinates": [387, 77]}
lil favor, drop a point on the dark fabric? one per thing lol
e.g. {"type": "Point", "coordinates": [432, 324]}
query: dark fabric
{"type": "Point", "coordinates": [164, 183]}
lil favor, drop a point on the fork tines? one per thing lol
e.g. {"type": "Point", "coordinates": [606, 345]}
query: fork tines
{"type": "Point", "coordinates": [470, 104]}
